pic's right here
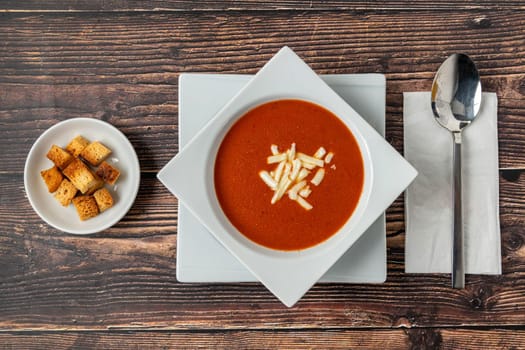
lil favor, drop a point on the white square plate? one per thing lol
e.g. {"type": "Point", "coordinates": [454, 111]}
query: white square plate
{"type": "Point", "coordinates": [189, 175]}
{"type": "Point", "coordinates": [200, 257]}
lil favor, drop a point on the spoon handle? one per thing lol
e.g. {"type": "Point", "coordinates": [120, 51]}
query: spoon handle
{"type": "Point", "coordinates": [458, 271]}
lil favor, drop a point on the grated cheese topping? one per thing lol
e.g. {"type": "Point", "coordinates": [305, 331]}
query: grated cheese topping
{"type": "Point", "coordinates": [276, 158]}
{"type": "Point", "coordinates": [320, 153]}
{"type": "Point", "coordinates": [328, 157]}
{"type": "Point", "coordinates": [318, 177]}
{"type": "Point", "coordinates": [291, 173]}
{"type": "Point", "coordinates": [305, 192]}
{"type": "Point", "coordinates": [268, 179]}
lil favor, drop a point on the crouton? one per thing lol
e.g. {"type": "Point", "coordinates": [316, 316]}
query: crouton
{"type": "Point", "coordinates": [77, 145]}
{"type": "Point", "coordinates": [52, 177]}
{"type": "Point", "coordinates": [104, 199]}
{"type": "Point", "coordinates": [65, 192]}
{"type": "Point", "coordinates": [81, 176]}
{"type": "Point", "coordinates": [59, 157]}
{"type": "Point", "coordinates": [95, 186]}
{"type": "Point", "coordinates": [95, 152]}
{"type": "Point", "coordinates": [86, 207]}
{"type": "Point", "coordinates": [108, 173]}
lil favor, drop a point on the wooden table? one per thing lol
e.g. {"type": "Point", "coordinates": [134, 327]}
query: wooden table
{"type": "Point", "coordinates": [119, 61]}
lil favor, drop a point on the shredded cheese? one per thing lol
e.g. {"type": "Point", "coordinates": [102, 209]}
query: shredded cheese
{"type": "Point", "coordinates": [305, 192]}
{"type": "Point", "coordinates": [303, 203]}
{"type": "Point", "coordinates": [286, 172]}
{"type": "Point", "coordinates": [296, 167]}
{"type": "Point", "coordinates": [281, 189]}
{"type": "Point", "coordinates": [328, 157]}
{"type": "Point", "coordinates": [276, 158]}
{"type": "Point", "coordinates": [312, 160]}
{"type": "Point", "coordinates": [268, 179]}
{"type": "Point", "coordinates": [291, 153]}
{"type": "Point", "coordinates": [320, 153]}
{"type": "Point", "coordinates": [303, 173]}
{"type": "Point", "coordinates": [279, 171]}
{"type": "Point", "coordinates": [291, 173]}
{"type": "Point", "coordinates": [308, 166]}
{"type": "Point", "coordinates": [295, 189]}
{"type": "Point", "coordinates": [318, 177]}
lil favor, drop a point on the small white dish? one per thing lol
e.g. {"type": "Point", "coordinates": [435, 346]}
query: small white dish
{"type": "Point", "coordinates": [200, 257]}
{"type": "Point", "coordinates": [123, 157]}
{"type": "Point", "coordinates": [189, 175]}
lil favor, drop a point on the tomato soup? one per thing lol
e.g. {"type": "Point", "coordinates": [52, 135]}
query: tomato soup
{"type": "Point", "coordinates": [246, 199]}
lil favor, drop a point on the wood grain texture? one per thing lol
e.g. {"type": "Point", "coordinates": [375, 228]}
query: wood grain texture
{"type": "Point", "coordinates": [153, 213]}
{"type": "Point", "coordinates": [124, 68]}
{"type": "Point", "coordinates": [126, 277]}
{"type": "Point", "coordinates": [425, 338]}
{"type": "Point", "coordinates": [251, 5]}
{"type": "Point", "coordinates": [120, 61]}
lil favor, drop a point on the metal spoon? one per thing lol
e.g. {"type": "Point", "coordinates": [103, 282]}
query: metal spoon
{"type": "Point", "coordinates": [456, 98]}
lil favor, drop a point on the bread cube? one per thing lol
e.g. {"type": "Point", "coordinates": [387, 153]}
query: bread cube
{"type": "Point", "coordinates": [77, 145]}
{"type": "Point", "coordinates": [82, 177]}
{"type": "Point", "coordinates": [52, 177]}
{"type": "Point", "coordinates": [59, 157]}
{"type": "Point", "coordinates": [95, 152]}
{"type": "Point", "coordinates": [65, 192]}
{"type": "Point", "coordinates": [98, 184]}
{"type": "Point", "coordinates": [104, 199]}
{"type": "Point", "coordinates": [108, 173]}
{"type": "Point", "coordinates": [86, 207]}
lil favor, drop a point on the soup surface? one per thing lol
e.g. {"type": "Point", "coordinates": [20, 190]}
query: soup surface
{"type": "Point", "coordinates": [246, 200]}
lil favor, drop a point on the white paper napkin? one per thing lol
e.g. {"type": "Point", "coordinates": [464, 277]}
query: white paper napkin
{"type": "Point", "coordinates": [428, 201]}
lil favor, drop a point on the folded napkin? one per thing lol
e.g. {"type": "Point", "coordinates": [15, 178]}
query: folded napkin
{"type": "Point", "coordinates": [428, 201]}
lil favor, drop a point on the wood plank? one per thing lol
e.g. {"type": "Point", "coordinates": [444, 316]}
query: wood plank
{"type": "Point", "coordinates": [154, 213]}
{"type": "Point", "coordinates": [424, 338]}
{"type": "Point", "coordinates": [146, 114]}
{"type": "Point", "coordinates": [126, 276]}
{"type": "Point", "coordinates": [124, 67]}
{"type": "Point", "coordinates": [214, 5]}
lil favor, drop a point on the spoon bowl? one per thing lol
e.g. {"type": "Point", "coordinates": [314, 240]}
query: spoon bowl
{"type": "Point", "coordinates": [456, 100]}
{"type": "Point", "coordinates": [456, 93]}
